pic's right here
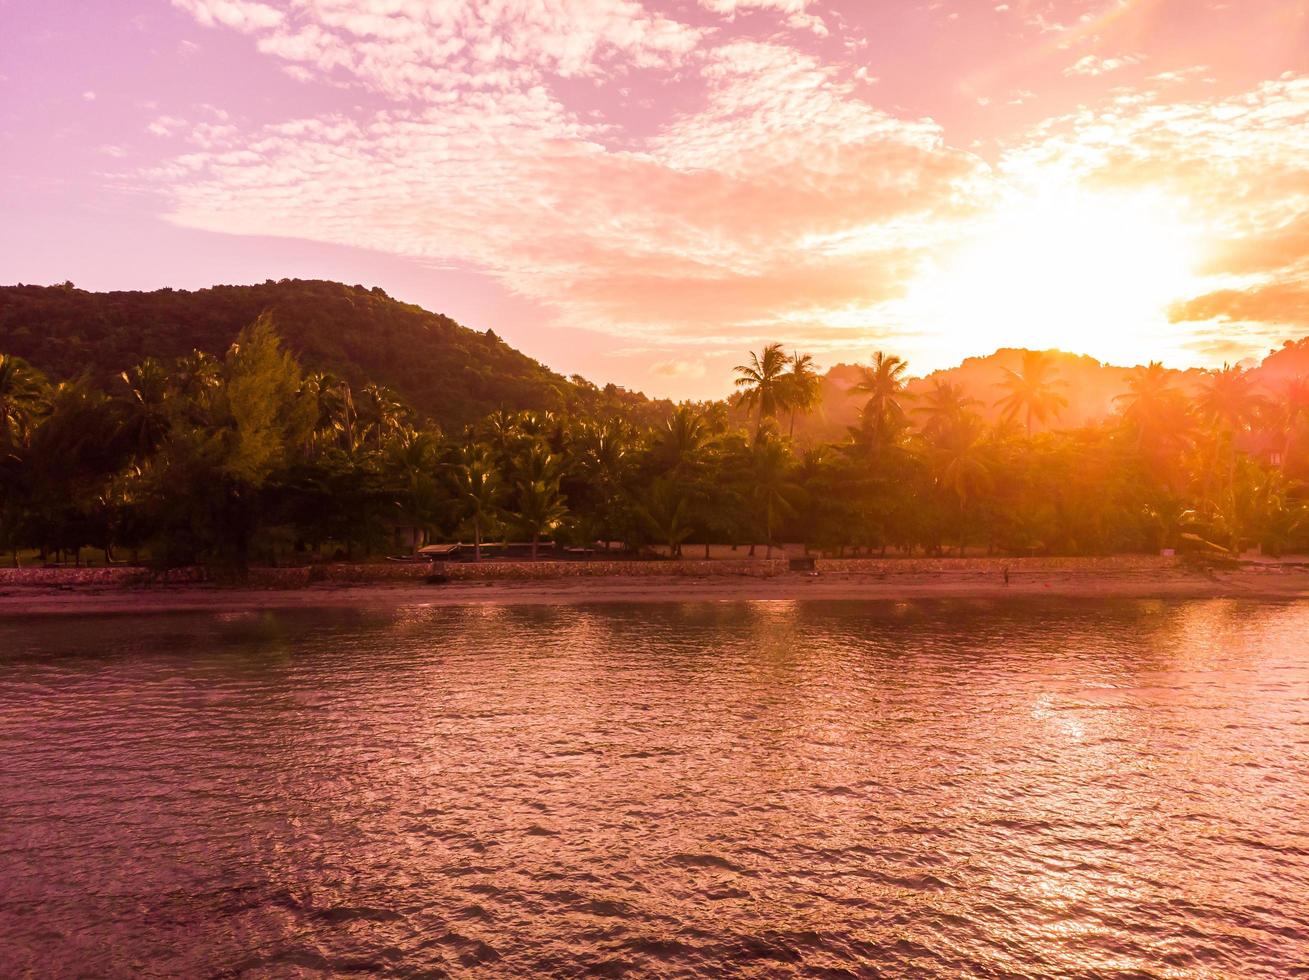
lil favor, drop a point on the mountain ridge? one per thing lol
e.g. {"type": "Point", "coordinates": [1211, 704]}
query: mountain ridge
{"type": "Point", "coordinates": [450, 372]}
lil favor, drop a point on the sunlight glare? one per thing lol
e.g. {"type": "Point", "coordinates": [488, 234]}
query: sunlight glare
{"type": "Point", "coordinates": [1092, 273]}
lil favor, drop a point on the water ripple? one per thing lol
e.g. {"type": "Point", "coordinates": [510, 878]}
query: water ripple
{"type": "Point", "coordinates": [1068, 789]}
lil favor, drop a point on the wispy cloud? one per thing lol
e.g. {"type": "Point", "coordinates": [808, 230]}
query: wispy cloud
{"type": "Point", "coordinates": [757, 192]}
{"type": "Point", "coordinates": [1092, 65]}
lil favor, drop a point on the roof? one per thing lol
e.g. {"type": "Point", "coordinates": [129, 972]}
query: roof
{"type": "Point", "coordinates": [438, 549]}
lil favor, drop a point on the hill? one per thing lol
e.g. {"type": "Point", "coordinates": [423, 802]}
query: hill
{"type": "Point", "coordinates": [1090, 386]}
{"type": "Point", "coordinates": [451, 373]}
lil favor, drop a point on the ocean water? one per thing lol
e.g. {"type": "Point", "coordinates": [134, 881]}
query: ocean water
{"type": "Point", "coordinates": [1026, 789]}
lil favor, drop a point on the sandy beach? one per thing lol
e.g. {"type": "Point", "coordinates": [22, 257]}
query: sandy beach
{"type": "Point", "coordinates": [1266, 582]}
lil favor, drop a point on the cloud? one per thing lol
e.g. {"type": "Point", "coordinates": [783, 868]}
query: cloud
{"type": "Point", "coordinates": [406, 49]}
{"type": "Point", "coordinates": [675, 368]}
{"type": "Point", "coordinates": [761, 195]}
{"type": "Point", "coordinates": [763, 202]}
{"type": "Point", "coordinates": [166, 125]}
{"type": "Point", "coordinates": [1092, 65]}
{"type": "Point", "coordinates": [1276, 303]}
{"type": "Point", "coordinates": [1236, 164]}
{"type": "Point", "coordinates": [243, 15]}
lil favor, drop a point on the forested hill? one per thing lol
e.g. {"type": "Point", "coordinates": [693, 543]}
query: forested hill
{"type": "Point", "coordinates": [454, 374]}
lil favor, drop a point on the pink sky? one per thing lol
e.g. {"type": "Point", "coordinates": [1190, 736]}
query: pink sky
{"type": "Point", "coordinates": [641, 191]}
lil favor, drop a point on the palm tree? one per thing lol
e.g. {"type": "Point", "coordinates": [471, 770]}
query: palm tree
{"type": "Point", "coordinates": [477, 483]}
{"type": "Point", "coordinates": [960, 463]}
{"type": "Point", "coordinates": [762, 385]}
{"type": "Point", "coordinates": [1229, 404]}
{"type": "Point", "coordinates": [541, 506]}
{"type": "Point", "coordinates": [772, 487]}
{"type": "Point", "coordinates": [1158, 416]}
{"type": "Point", "coordinates": [663, 510]}
{"type": "Point", "coordinates": [22, 393]}
{"type": "Point", "coordinates": [1148, 388]}
{"type": "Point", "coordinates": [338, 418]}
{"type": "Point", "coordinates": [22, 402]}
{"type": "Point", "coordinates": [382, 413]}
{"type": "Point", "coordinates": [942, 406]}
{"type": "Point", "coordinates": [884, 385]}
{"type": "Point", "coordinates": [803, 386]}
{"type": "Point", "coordinates": [679, 446]}
{"type": "Point", "coordinates": [145, 406]}
{"type": "Point", "coordinates": [198, 375]}
{"type": "Point", "coordinates": [1032, 390]}
{"type": "Point", "coordinates": [1292, 412]}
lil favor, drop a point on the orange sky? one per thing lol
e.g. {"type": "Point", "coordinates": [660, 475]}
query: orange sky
{"type": "Point", "coordinates": [641, 191]}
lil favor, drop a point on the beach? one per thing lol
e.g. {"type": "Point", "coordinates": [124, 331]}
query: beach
{"type": "Point", "coordinates": [1263, 581]}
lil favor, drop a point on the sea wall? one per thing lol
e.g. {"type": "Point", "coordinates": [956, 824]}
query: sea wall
{"type": "Point", "coordinates": [400, 572]}
{"type": "Point", "coordinates": [754, 567]}
{"type": "Point", "coordinates": [392, 572]}
{"type": "Point", "coordinates": [112, 576]}
{"type": "Point", "coordinates": [1016, 566]}
{"type": "Point", "coordinates": [380, 573]}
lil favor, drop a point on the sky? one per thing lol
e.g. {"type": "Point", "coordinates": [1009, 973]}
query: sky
{"type": "Point", "coordinates": [640, 191]}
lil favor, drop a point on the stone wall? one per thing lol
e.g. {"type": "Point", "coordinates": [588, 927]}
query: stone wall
{"type": "Point", "coordinates": [754, 567]}
{"type": "Point", "coordinates": [399, 572]}
{"type": "Point", "coordinates": [386, 572]}
{"type": "Point", "coordinates": [112, 576]}
{"type": "Point", "coordinates": [1016, 566]}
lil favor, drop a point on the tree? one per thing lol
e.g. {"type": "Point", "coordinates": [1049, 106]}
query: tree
{"type": "Point", "coordinates": [961, 467]}
{"type": "Point", "coordinates": [1229, 404]}
{"type": "Point", "coordinates": [1031, 390]}
{"type": "Point", "coordinates": [772, 486]}
{"type": "Point", "coordinates": [144, 406]}
{"type": "Point", "coordinates": [381, 413]}
{"type": "Point", "coordinates": [679, 446]}
{"type": "Point", "coordinates": [72, 455]}
{"type": "Point", "coordinates": [410, 467]}
{"type": "Point", "coordinates": [942, 406]}
{"type": "Point", "coordinates": [761, 384]}
{"type": "Point", "coordinates": [22, 397]}
{"type": "Point", "coordinates": [541, 505]}
{"type": "Point", "coordinates": [663, 509]}
{"type": "Point", "coordinates": [803, 386]}
{"type": "Point", "coordinates": [883, 386]}
{"type": "Point", "coordinates": [222, 450]}
{"type": "Point", "coordinates": [1292, 417]}
{"type": "Point", "coordinates": [477, 487]}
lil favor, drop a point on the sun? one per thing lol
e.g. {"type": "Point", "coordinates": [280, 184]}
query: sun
{"type": "Point", "coordinates": [1088, 272]}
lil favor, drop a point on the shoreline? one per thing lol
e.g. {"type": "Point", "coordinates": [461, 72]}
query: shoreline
{"type": "Point", "coordinates": [1271, 583]}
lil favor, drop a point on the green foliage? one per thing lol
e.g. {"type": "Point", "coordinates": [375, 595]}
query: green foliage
{"type": "Point", "coordinates": [240, 456]}
{"type": "Point", "coordinates": [447, 372]}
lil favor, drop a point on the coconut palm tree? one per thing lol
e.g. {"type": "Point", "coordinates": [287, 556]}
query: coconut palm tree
{"type": "Point", "coordinates": [22, 394]}
{"type": "Point", "coordinates": [664, 512]}
{"type": "Point", "coordinates": [943, 404]}
{"type": "Point", "coordinates": [1229, 403]}
{"type": "Point", "coordinates": [883, 384]}
{"type": "Point", "coordinates": [478, 486]}
{"type": "Point", "coordinates": [961, 466]}
{"type": "Point", "coordinates": [762, 385]}
{"type": "Point", "coordinates": [803, 386]}
{"type": "Point", "coordinates": [1291, 412]}
{"type": "Point", "coordinates": [679, 445]}
{"type": "Point", "coordinates": [382, 414]}
{"type": "Point", "coordinates": [772, 486]}
{"type": "Point", "coordinates": [1032, 391]}
{"type": "Point", "coordinates": [145, 406]}
{"type": "Point", "coordinates": [1158, 417]}
{"type": "Point", "coordinates": [541, 506]}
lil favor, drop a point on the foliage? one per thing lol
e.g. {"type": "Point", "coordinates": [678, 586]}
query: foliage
{"type": "Point", "coordinates": [448, 373]}
{"type": "Point", "coordinates": [240, 456]}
